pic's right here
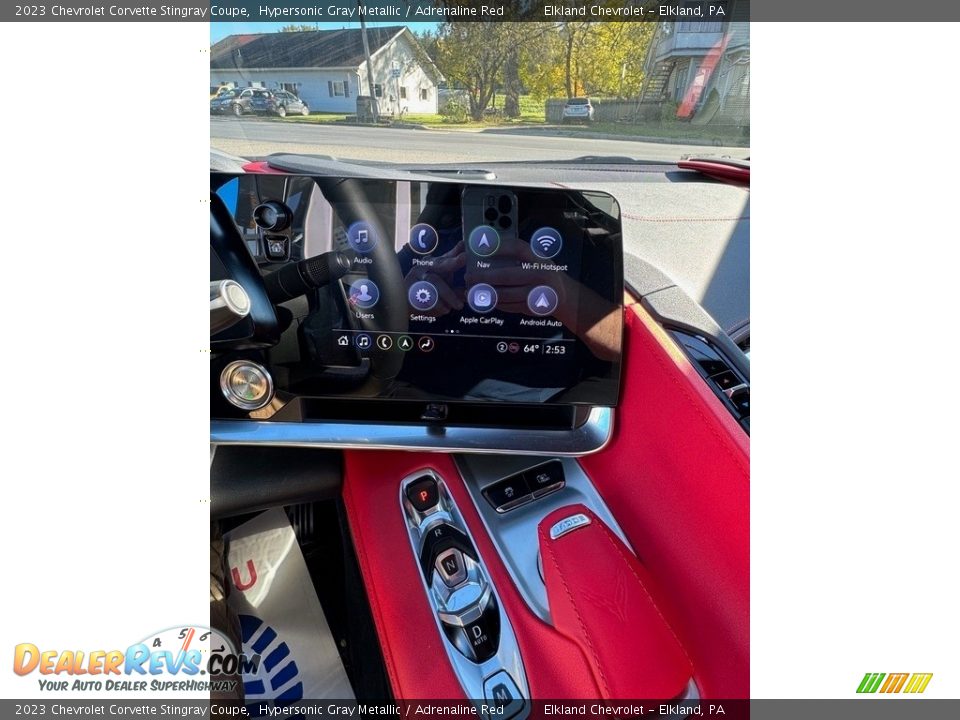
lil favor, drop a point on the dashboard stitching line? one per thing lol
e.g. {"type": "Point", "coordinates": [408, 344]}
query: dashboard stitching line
{"type": "Point", "coordinates": [641, 218]}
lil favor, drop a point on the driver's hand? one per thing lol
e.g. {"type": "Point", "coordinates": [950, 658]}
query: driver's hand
{"type": "Point", "coordinates": [440, 275]}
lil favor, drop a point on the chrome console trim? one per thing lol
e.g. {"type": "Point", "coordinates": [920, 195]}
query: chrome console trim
{"type": "Point", "coordinates": [514, 533]}
{"type": "Point", "coordinates": [473, 676]}
{"type": "Point", "coordinates": [568, 525]}
{"type": "Point", "coordinates": [590, 437]}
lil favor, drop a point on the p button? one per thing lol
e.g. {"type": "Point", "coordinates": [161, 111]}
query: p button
{"type": "Point", "coordinates": [423, 494]}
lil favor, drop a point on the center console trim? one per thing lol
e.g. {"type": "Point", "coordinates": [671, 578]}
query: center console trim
{"type": "Point", "coordinates": [514, 532]}
{"type": "Point", "coordinates": [588, 438]}
{"type": "Point", "coordinates": [473, 676]}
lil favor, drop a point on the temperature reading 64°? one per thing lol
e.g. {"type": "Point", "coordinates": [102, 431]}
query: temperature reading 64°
{"type": "Point", "coordinates": [531, 348]}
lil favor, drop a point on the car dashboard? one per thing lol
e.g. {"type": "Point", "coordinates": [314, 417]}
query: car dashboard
{"type": "Point", "coordinates": [416, 314]}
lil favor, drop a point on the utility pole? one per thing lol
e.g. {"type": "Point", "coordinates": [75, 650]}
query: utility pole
{"type": "Point", "coordinates": [366, 53]}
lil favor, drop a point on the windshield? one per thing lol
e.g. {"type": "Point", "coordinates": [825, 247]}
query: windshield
{"type": "Point", "coordinates": [468, 91]}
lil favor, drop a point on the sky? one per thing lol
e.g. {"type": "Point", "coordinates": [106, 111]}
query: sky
{"type": "Point", "coordinates": [220, 30]}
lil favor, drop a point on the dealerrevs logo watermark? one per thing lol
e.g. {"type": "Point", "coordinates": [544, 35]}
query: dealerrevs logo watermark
{"type": "Point", "coordinates": [182, 659]}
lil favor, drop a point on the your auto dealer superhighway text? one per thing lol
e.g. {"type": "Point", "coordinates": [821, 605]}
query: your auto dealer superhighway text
{"type": "Point", "coordinates": [146, 11]}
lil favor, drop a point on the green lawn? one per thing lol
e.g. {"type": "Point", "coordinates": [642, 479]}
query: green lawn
{"type": "Point", "coordinates": [668, 131]}
{"type": "Point", "coordinates": [532, 115]}
{"type": "Point", "coordinates": [531, 111]}
{"type": "Point", "coordinates": [315, 118]}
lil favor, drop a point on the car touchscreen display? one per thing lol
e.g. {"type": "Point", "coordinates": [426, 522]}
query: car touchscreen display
{"type": "Point", "coordinates": [444, 292]}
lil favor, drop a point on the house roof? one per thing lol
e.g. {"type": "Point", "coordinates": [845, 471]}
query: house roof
{"type": "Point", "coordinates": [311, 48]}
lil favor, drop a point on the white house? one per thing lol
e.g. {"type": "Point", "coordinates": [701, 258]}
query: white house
{"type": "Point", "coordinates": [327, 69]}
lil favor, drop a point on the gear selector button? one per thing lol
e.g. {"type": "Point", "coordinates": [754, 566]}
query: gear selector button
{"type": "Point", "coordinates": [423, 494]}
{"type": "Point", "coordinates": [451, 568]}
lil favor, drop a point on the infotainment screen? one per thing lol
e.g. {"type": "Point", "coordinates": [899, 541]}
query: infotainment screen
{"type": "Point", "coordinates": [446, 292]}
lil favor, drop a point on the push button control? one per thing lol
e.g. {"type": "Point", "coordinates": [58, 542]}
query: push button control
{"type": "Point", "coordinates": [477, 641]}
{"type": "Point", "coordinates": [451, 567]}
{"type": "Point", "coordinates": [423, 494]}
{"type": "Point", "coordinates": [501, 691]}
{"type": "Point", "coordinates": [545, 478]}
{"type": "Point", "coordinates": [439, 539]}
{"type": "Point", "coordinates": [508, 494]}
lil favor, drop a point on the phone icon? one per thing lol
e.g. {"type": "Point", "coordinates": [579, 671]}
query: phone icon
{"type": "Point", "coordinates": [423, 239]}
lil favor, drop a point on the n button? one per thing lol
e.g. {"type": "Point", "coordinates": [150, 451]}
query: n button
{"type": "Point", "coordinates": [451, 568]}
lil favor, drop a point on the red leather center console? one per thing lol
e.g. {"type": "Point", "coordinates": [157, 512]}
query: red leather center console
{"type": "Point", "coordinates": [600, 598]}
{"type": "Point", "coordinates": [411, 643]}
{"type": "Point", "coordinates": [675, 477]}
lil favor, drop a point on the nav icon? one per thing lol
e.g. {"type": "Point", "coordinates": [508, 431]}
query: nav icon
{"type": "Point", "coordinates": [484, 241]}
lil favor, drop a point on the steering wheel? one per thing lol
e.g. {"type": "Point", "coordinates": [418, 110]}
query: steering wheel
{"type": "Point", "coordinates": [355, 200]}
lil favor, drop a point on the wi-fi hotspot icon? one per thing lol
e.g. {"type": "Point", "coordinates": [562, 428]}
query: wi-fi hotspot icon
{"type": "Point", "coordinates": [546, 242]}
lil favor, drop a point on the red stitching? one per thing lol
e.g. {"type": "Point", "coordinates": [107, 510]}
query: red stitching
{"type": "Point", "coordinates": [619, 548]}
{"type": "Point", "coordinates": [573, 604]}
{"type": "Point", "coordinates": [640, 218]}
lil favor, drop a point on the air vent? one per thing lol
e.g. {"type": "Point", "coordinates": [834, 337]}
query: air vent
{"type": "Point", "coordinates": [721, 375]}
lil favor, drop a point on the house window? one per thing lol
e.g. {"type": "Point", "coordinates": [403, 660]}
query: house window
{"type": "Point", "coordinates": [338, 88]}
{"type": "Point", "coordinates": [378, 90]}
{"type": "Point", "coordinates": [403, 93]}
{"type": "Point", "coordinates": [289, 87]}
{"type": "Point", "coordinates": [424, 94]}
{"type": "Point", "coordinates": [680, 82]}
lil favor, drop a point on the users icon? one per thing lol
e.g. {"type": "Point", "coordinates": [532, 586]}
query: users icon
{"type": "Point", "coordinates": [364, 294]}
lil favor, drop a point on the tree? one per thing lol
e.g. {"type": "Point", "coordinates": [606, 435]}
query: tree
{"type": "Point", "coordinates": [472, 55]}
{"type": "Point", "coordinates": [610, 59]}
{"type": "Point", "coordinates": [297, 28]}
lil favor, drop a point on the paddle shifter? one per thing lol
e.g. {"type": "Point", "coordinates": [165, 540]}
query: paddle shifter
{"type": "Point", "coordinates": [479, 638]}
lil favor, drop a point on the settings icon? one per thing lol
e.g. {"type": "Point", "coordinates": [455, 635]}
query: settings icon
{"type": "Point", "coordinates": [423, 295]}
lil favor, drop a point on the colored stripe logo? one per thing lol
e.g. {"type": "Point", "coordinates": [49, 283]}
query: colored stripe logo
{"type": "Point", "coordinates": [912, 683]}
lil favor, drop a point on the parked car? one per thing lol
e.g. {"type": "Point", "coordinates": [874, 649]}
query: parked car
{"type": "Point", "coordinates": [219, 90]}
{"type": "Point", "coordinates": [284, 102]}
{"type": "Point", "coordinates": [242, 101]}
{"type": "Point", "coordinates": [578, 109]}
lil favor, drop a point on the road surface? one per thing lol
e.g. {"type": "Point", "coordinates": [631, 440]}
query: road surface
{"type": "Point", "coordinates": [255, 137]}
